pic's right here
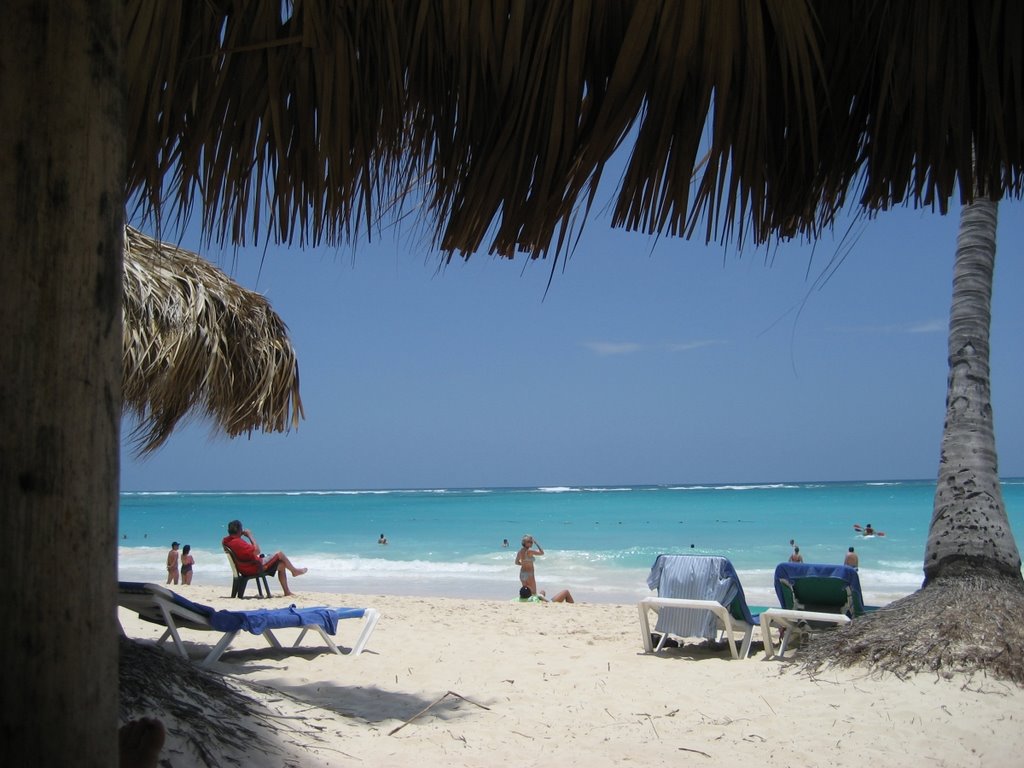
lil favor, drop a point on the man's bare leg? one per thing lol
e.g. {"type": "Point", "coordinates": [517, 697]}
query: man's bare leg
{"type": "Point", "coordinates": [282, 576]}
{"type": "Point", "coordinates": [283, 559]}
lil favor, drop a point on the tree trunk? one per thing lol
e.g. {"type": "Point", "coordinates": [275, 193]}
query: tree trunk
{"type": "Point", "coordinates": [61, 191]}
{"type": "Point", "coordinates": [970, 532]}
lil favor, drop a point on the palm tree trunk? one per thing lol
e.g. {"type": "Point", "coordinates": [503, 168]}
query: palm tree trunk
{"type": "Point", "coordinates": [970, 532]}
{"type": "Point", "coordinates": [61, 192]}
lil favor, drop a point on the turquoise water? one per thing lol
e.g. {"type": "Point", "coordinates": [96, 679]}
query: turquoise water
{"type": "Point", "coordinates": [600, 542]}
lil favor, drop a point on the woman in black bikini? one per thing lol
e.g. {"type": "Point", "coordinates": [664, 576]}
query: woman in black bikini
{"type": "Point", "coordinates": [186, 564]}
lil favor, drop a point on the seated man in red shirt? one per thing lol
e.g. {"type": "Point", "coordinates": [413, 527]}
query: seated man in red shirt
{"type": "Point", "coordinates": [250, 560]}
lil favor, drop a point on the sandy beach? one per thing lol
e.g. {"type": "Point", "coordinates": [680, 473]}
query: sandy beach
{"type": "Point", "coordinates": [504, 683]}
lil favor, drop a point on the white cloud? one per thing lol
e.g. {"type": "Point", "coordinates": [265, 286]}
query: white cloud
{"type": "Point", "coordinates": [924, 326]}
{"type": "Point", "coordinates": [609, 348]}
{"type": "Point", "coordinates": [605, 348]}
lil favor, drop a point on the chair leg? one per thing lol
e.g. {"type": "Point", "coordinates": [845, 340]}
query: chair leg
{"type": "Point", "coordinates": [747, 640]}
{"type": "Point", "coordinates": [787, 635]}
{"type": "Point", "coordinates": [218, 649]}
{"type": "Point", "coordinates": [645, 628]}
{"type": "Point", "coordinates": [371, 616]}
{"type": "Point", "coordinates": [263, 585]}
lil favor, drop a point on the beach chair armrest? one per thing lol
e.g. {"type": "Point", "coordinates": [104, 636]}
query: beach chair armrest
{"type": "Point", "coordinates": [791, 621]}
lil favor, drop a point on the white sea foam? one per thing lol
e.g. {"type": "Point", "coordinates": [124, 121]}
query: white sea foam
{"type": "Point", "coordinates": [752, 487]}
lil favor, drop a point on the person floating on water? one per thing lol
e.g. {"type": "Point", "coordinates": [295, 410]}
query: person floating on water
{"type": "Point", "coordinates": [382, 539]}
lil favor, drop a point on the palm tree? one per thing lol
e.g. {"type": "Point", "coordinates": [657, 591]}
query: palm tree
{"type": "Point", "coordinates": [308, 121]}
{"type": "Point", "coordinates": [970, 532]}
{"type": "Point", "coordinates": [966, 616]}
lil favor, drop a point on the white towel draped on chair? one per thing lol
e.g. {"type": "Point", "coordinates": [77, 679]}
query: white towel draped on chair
{"type": "Point", "coordinates": [695, 578]}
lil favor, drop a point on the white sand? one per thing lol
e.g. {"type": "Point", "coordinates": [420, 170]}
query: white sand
{"type": "Point", "coordinates": [569, 685]}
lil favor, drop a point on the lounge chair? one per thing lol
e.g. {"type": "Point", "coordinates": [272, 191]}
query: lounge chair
{"type": "Point", "coordinates": [698, 596]}
{"type": "Point", "coordinates": [812, 596]}
{"type": "Point", "coordinates": [239, 580]}
{"type": "Point", "coordinates": [159, 605]}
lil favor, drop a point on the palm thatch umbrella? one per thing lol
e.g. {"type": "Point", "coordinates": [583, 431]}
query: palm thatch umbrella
{"type": "Point", "coordinates": [307, 121]}
{"type": "Point", "coordinates": [196, 342]}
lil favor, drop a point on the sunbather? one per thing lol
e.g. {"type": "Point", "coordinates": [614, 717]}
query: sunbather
{"type": "Point", "coordinates": [526, 596]}
{"type": "Point", "coordinates": [251, 561]}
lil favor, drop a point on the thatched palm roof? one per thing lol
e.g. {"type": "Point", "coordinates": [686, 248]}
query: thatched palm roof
{"type": "Point", "coordinates": [196, 342]}
{"type": "Point", "coordinates": [310, 121]}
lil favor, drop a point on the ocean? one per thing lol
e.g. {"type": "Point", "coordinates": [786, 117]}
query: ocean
{"type": "Point", "coordinates": [599, 542]}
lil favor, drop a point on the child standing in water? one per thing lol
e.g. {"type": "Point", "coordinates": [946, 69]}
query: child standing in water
{"type": "Point", "coordinates": [187, 561]}
{"type": "Point", "coordinates": [172, 564]}
{"type": "Point", "coordinates": [524, 559]}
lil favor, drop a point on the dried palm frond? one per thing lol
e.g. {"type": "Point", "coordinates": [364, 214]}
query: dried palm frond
{"type": "Point", "coordinates": [497, 119]}
{"type": "Point", "coordinates": [965, 625]}
{"type": "Point", "coordinates": [196, 342]}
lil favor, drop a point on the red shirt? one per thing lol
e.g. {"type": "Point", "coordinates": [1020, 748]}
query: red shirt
{"type": "Point", "coordinates": [246, 556]}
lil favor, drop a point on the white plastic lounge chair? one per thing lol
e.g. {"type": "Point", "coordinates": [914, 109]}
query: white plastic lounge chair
{"type": "Point", "coordinates": [813, 596]}
{"type": "Point", "coordinates": [160, 605]}
{"type": "Point", "coordinates": [698, 596]}
{"type": "Point", "coordinates": [793, 624]}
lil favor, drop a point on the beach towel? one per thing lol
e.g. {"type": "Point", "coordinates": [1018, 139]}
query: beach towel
{"type": "Point", "coordinates": [694, 578]}
{"type": "Point", "coordinates": [258, 621]}
{"type": "Point", "coordinates": [793, 571]}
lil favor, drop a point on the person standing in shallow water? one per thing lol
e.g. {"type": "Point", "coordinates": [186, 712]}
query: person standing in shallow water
{"type": "Point", "coordinates": [796, 557]}
{"type": "Point", "coordinates": [187, 561]}
{"type": "Point", "coordinates": [172, 563]}
{"type": "Point", "coordinates": [851, 559]}
{"type": "Point", "coordinates": [524, 559]}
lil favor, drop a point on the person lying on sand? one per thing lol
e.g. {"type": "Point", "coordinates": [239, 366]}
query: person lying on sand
{"type": "Point", "coordinates": [526, 596]}
{"type": "Point", "coordinates": [251, 560]}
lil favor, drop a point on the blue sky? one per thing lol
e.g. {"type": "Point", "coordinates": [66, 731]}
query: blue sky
{"type": "Point", "coordinates": [647, 361]}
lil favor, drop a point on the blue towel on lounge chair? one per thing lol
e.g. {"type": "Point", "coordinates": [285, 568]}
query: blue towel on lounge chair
{"type": "Point", "coordinates": [793, 571]}
{"type": "Point", "coordinates": [157, 604]}
{"type": "Point", "coordinates": [258, 621]}
{"type": "Point", "coordinates": [142, 588]}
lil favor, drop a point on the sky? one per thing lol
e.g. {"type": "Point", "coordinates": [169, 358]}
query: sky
{"type": "Point", "coordinates": [646, 361]}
